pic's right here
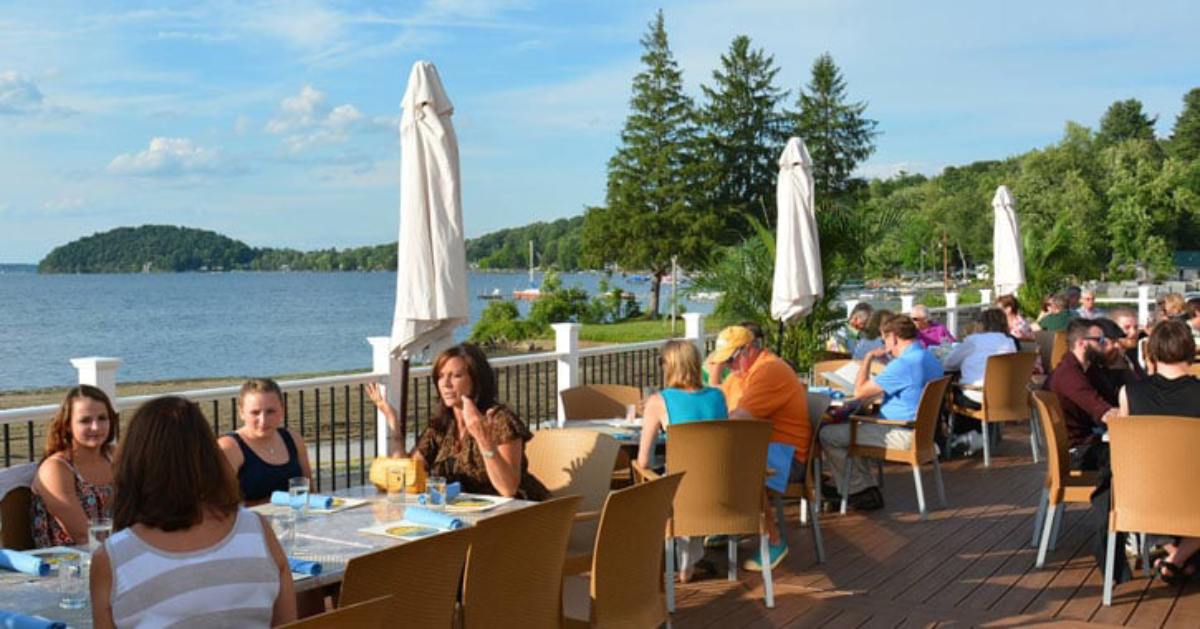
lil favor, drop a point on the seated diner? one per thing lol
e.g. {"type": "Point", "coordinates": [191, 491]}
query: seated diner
{"type": "Point", "coordinates": [263, 454]}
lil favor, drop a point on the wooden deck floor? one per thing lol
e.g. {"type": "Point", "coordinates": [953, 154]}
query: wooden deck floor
{"type": "Point", "coordinates": [970, 564]}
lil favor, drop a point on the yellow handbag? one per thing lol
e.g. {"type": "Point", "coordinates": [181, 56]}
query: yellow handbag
{"type": "Point", "coordinates": [414, 473]}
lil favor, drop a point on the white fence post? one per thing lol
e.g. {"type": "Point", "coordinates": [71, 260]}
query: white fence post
{"type": "Point", "coordinates": [850, 304]}
{"type": "Point", "coordinates": [1143, 305]}
{"type": "Point", "coordinates": [906, 304]}
{"type": "Point", "coordinates": [985, 298]}
{"type": "Point", "coordinates": [98, 371]}
{"type": "Point", "coordinates": [566, 345]}
{"type": "Point", "coordinates": [693, 329]}
{"type": "Point", "coordinates": [383, 364]}
{"type": "Point", "coordinates": [952, 312]}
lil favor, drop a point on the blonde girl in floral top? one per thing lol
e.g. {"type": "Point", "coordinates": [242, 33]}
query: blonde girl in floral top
{"type": "Point", "coordinates": [74, 481]}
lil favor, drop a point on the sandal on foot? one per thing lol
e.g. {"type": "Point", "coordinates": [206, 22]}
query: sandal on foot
{"type": "Point", "coordinates": [1170, 573]}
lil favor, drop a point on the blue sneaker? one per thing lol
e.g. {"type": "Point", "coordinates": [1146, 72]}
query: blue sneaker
{"type": "Point", "coordinates": [777, 552]}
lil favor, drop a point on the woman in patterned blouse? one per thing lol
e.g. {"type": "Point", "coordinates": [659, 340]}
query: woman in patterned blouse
{"type": "Point", "coordinates": [74, 481]}
{"type": "Point", "coordinates": [472, 438]}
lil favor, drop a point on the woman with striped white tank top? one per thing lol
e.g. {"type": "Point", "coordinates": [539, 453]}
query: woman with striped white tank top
{"type": "Point", "coordinates": [184, 552]}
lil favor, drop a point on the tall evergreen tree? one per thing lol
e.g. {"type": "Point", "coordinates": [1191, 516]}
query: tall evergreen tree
{"type": "Point", "coordinates": [744, 133]}
{"type": "Point", "coordinates": [838, 135]}
{"type": "Point", "coordinates": [1125, 120]}
{"type": "Point", "coordinates": [653, 210]}
{"type": "Point", "coordinates": [1185, 137]}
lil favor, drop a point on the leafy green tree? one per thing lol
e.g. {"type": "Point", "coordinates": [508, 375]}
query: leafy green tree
{"type": "Point", "coordinates": [744, 133]}
{"type": "Point", "coordinates": [1125, 120]}
{"type": "Point", "coordinates": [653, 205]}
{"type": "Point", "coordinates": [501, 324]}
{"type": "Point", "coordinates": [838, 134]}
{"type": "Point", "coordinates": [1151, 206]}
{"type": "Point", "coordinates": [1185, 136]}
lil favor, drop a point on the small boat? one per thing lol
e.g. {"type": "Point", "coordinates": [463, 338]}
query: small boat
{"type": "Point", "coordinates": [495, 294]}
{"type": "Point", "coordinates": [528, 294]}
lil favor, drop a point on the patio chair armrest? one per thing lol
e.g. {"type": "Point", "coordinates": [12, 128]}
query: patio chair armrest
{"type": "Point", "coordinates": [968, 387]}
{"type": "Point", "coordinates": [587, 516]}
{"type": "Point", "coordinates": [906, 423]}
{"type": "Point", "coordinates": [641, 474]}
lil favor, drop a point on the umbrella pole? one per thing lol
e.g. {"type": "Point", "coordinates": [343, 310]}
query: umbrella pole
{"type": "Point", "coordinates": [779, 341]}
{"type": "Point", "coordinates": [404, 403]}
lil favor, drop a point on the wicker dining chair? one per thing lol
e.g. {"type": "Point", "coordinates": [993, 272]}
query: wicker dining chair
{"type": "Point", "coordinates": [1005, 397]}
{"type": "Point", "coordinates": [1154, 464]}
{"type": "Point", "coordinates": [922, 450]}
{"type": "Point", "coordinates": [370, 614]}
{"type": "Point", "coordinates": [808, 493]}
{"type": "Point", "coordinates": [626, 587]}
{"type": "Point", "coordinates": [575, 462]}
{"type": "Point", "coordinates": [598, 401]}
{"type": "Point", "coordinates": [1063, 485]}
{"type": "Point", "coordinates": [16, 530]}
{"type": "Point", "coordinates": [825, 366]}
{"type": "Point", "coordinates": [515, 567]}
{"type": "Point", "coordinates": [422, 574]}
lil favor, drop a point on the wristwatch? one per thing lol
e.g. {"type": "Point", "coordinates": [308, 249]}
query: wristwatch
{"type": "Point", "coordinates": [487, 454]}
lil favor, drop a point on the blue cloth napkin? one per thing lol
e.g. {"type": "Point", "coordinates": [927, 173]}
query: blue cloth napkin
{"type": "Point", "coordinates": [311, 568]}
{"type": "Point", "coordinates": [315, 501]}
{"type": "Point", "coordinates": [23, 562]}
{"type": "Point", "coordinates": [13, 620]}
{"type": "Point", "coordinates": [779, 458]}
{"type": "Point", "coordinates": [452, 492]}
{"type": "Point", "coordinates": [436, 519]}
{"type": "Point", "coordinates": [825, 390]}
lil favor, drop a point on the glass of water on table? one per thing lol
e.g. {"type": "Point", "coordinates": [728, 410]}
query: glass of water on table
{"type": "Point", "coordinates": [298, 495]}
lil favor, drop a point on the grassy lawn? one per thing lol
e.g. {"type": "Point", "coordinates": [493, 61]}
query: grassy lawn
{"type": "Point", "coordinates": [631, 331]}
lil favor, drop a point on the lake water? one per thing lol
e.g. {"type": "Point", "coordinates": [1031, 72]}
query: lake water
{"type": "Point", "coordinates": [191, 325]}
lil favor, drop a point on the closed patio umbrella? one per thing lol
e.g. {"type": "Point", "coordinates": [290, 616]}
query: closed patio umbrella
{"type": "Point", "coordinates": [431, 273]}
{"type": "Point", "coordinates": [1008, 263]}
{"type": "Point", "coordinates": [798, 283]}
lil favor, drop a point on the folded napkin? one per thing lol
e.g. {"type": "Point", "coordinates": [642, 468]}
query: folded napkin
{"type": "Point", "coordinates": [311, 568]}
{"type": "Point", "coordinates": [13, 620]}
{"type": "Point", "coordinates": [436, 519]}
{"type": "Point", "coordinates": [315, 501]}
{"type": "Point", "coordinates": [779, 459]}
{"type": "Point", "coordinates": [23, 562]}
{"type": "Point", "coordinates": [452, 492]}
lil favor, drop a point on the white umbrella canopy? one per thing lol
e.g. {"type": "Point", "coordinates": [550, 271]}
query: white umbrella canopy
{"type": "Point", "coordinates": [1008, 263]}
{"type": "Point", "coordinates": [431, 277]}
{"type": "Point", "coordinates": [798, 283]}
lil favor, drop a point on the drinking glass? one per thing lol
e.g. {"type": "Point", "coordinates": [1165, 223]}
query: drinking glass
{"type": "Point", "coordinates": [631, 413]}
{"type": "Point", "coordinates": [396, 484]}
{"type": "Point", "coordinates": [436, 490]}
{"type": "Point", "coordinates": [98, 531]}
{"type": "Point", "coordinates": [284, 525]}
{"type": "Point", "coordinates": [298, 495]}
{"type": "Point", "coordinates": [72, 583]}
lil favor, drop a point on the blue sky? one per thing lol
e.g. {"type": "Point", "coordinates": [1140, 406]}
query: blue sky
{"type": "Point", "coordinates": [275, 123]}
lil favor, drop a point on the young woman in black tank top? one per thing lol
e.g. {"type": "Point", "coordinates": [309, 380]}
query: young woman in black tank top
{"type": "Point", "coordinates": [263, 455]}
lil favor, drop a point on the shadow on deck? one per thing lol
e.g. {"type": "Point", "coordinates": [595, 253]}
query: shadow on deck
{"type": "Point", "coordinates": [970, 564]}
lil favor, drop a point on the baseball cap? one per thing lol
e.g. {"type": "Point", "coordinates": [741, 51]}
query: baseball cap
{"type": "Point", "coordinates": [729, 341]}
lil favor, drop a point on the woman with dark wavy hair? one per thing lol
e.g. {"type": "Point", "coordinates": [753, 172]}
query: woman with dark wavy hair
{"type": "Point", "coordinates": [184, 552]}
{"type": "Point", "coordinates": [73, 484]}
{"type": "Point", "coordinates": [472, 438]}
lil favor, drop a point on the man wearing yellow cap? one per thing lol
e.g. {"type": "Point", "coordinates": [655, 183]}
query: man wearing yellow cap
{"type": "Point", "coordinates": [761, 386]}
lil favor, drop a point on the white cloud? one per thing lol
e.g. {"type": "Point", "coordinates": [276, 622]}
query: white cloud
{"type": "Point", "coordinates": [20, 96]}
{"type": "Point", "coordinates": [196, 36]}
{"type": "Point", "coordinates": [64, 204]}
{"type": "Point", "coordinates": [171, 157]}
{"type": "Point", "coordinates": [887, 171]}
{"type": "Point", "coordinates": [306, 120]}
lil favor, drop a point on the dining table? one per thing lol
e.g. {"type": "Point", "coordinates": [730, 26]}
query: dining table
{"type": "Point", "coordinates": [331, 539]}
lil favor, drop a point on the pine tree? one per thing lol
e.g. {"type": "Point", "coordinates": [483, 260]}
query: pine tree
{"type": "Point", "coordinates": [838, 135]}
{"type": "Point", "coordinates": [1185, 137]}
{"type": "Point", "coordinates": [653, 209]}
{"type": "Point", "coordinates": [744, 133]}
{"type": "Point", "coordinates": [1125, 120]}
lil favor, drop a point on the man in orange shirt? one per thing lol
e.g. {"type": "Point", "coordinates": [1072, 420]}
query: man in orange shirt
{"type": "Point", "coordinates": [762, 386]}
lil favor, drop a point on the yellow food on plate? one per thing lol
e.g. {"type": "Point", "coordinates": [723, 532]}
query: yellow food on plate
{"type": "Point", "coordinates": [409, 530]}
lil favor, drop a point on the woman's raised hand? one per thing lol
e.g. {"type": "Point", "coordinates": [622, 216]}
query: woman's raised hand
{"type": "Point", "coordinates": [474, 420]}
{"type": "Point", "coordinates": [375, 394]}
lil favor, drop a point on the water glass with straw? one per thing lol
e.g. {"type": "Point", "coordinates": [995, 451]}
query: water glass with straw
{"type": "Point", "coordinates": [298, 495]}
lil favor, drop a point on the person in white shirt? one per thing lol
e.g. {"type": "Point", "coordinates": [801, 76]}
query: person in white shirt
{"type": "Point", "coordinates": [970, 358]}
{"type": "Point", "coordinates": [1087, 306]}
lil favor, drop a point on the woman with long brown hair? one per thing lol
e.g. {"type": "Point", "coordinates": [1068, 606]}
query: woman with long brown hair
{"type": "Point", "coordinates": [73, 485]}
{"type": "Point", "coordinates": [472, 438]}
{"type": "Point", "coordinates": [184, 551]}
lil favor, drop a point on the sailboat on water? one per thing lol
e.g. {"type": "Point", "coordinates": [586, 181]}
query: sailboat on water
{"type": "Point", "coordinates": [533, 292]}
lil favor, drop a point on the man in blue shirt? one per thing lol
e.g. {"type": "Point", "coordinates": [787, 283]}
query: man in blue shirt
{"type": "Point", "coordinates": [901, 384]}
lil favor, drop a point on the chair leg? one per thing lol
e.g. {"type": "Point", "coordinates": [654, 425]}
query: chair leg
{"type": "Point", "coordinates": [846, 484]}
{"type": "Point", "coordinates": [1039, 517]}
{"type": "Point", "coordinates": [1145, 546]}
{"type": "Point", "coordinates": [1110, 551]}
{"type": "Point", "coordinates": [1047, 526]}
{"type": "Point", "coordinates": [733, 567]}
{"type": "Point", "coordinates": [881, 474]}
{"type": "Point", "coordinates": [803, 512]}
{"type": "Point", "coordinates": [670, 574]}
{"type": "Point", "coordinates": [920, 491]}
{"type": "Point", "coordinates": [987, 445]}
{"type": "Point", "coordinates": [818, 541]}
{"type": "Point", "coordinates": [1058, 518]}
{"type": "Point", "coordinates": [778, 502]}
{"type": "Point", "coordinates": [817, 497]}
{"type": "Point", "coordinates": [1033, 439]}
{"type": "Point", "coordinates": [937, 479]}
{"type": "Point", "coordinates": [764, 550]}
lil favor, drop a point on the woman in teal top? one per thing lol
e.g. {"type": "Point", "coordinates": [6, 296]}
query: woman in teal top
{"type": "Point", "coordinates": [684, 397]}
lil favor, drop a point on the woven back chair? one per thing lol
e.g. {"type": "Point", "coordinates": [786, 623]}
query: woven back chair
{"type": "Point", "coordinates": [1005, 397]}
{"type": "Point", "coordinates": [372, 614]}
{"type": "Point", "coordinates": [922, 448]}
{"type": "Point", "coordinates": [825, 366]}
{"type": "Point", "coordinates": [515, 567]}
{"type": "Point", "coordinates": [1154, 467]}
{"type": "Point", "coordinates": [16, 530]}
{"type": "Point", "coordinates": [598, 401]}
{"type": "Point", "coordinates": [808, 492]}
{"type": "Point", "coordinates": [423, 575]}
{"type": "Point", "coordinates": [725, 465]}
{"type": "Point", "coordinates": [626, 588]}
{"type": "Point", "coordinates": [1062, 484]}
{"type": "Point", "coordinates": [575, 462]}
